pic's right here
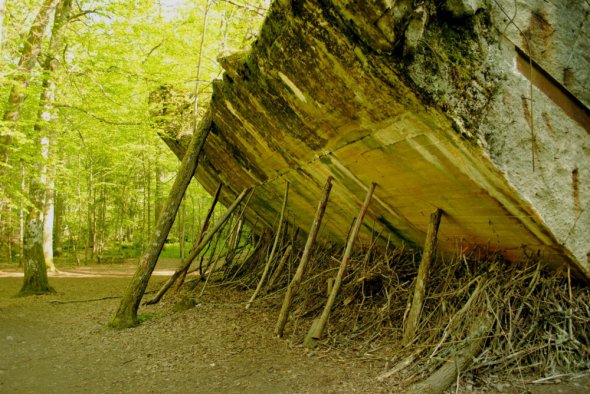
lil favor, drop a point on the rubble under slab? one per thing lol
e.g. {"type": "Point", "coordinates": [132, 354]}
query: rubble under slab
{"type": "Point", "coordinates": [430, 101]}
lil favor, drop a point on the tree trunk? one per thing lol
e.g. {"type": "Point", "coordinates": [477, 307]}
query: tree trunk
{"type": "Point", "coordinates": [45, 127]}
{"type": "Point", "coordinates": [35, 281]}
{"type": "Point", "coordinates": [89, 217]}
{"type": "Point", "coordinates": [21, 222]}
{"type": "Point", "coordinates": [28, 59]}
{"type": "Point", "coordinates": [296, 281]}
{"type": "Point", "coordinates": [58, 223]}
{"type": "Point", "coordinates": [126, 315]}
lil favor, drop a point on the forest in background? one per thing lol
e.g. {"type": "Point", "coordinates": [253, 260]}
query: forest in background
{"type": "Point", "coordinates": [79, 148]}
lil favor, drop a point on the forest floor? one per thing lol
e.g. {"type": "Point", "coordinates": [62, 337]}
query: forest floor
{"type": "Point", "coordinates": [59, 344]}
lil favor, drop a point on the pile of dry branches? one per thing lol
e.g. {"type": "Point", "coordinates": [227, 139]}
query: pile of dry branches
{"type": "Point", "coordinates": [528, 322]}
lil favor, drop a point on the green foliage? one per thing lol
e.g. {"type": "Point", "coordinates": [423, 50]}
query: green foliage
{"type": "Point", "coordinates": [112, 168]}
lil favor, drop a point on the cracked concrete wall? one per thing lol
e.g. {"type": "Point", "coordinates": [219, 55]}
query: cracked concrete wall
{"type": "Point", "coordinates": [558, 41]}
{"type": "Point", "coordinates": [427, 98]}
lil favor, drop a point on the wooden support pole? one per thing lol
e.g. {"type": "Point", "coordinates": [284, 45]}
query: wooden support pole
{"type": "Point", "coordinates": [280, 267]}
{"type": "Point", "coordinates": [422, 278]}
{"type": "Point", "coordinates": [197, 249]}
{"type": "Point", "coordinates": [317, 329]}
{"type": "Point", "coordinates": [296, 281]}
{"type": "Point", "coordinates": [201, 234]}
{"type": "Point", "coordinates": [272, 251]}
{"type": "Point", "coordinates": [126, 314]}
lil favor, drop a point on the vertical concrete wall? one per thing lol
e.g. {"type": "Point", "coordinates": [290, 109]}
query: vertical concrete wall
{"type": "Point", "coordinates": [543, 144]}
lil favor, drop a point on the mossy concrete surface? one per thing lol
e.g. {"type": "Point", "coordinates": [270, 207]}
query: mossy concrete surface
{"type": "Point", "coordinates": [422, 98]}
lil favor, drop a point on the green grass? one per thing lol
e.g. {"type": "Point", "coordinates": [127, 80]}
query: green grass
{"type": "Point", "coordinates": [172, 250]}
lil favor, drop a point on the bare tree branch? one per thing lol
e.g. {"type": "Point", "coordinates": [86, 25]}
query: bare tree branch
{"type": "Point", "coordinates": [99, 118]}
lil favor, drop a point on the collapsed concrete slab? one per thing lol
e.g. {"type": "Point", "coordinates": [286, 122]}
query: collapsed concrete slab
{"type": "Point", "coordinates": [479, 108]}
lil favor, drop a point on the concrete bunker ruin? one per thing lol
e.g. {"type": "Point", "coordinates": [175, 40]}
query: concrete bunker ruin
{"type": "Point", "coordinates": [479, 108]}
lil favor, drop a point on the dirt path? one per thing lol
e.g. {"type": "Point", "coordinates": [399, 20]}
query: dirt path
{"type": "Point", "coordinates": [59, 344]}
{"type": "Point", "coordinates": [50, 345]}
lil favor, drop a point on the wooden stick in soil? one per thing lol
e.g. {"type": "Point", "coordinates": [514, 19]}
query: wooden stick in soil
{"type": "Point", "coordinates": [201, 235]}
{"type": "Point", "coordinates": [236, 234]}
{"type": "Point", "coordinates": [317, 328]}
{"type": "Point", "coordinates": [280, 267]}
{"type": "Point", "coordinates": [422, 278]}
{"type": "Point", "coordinates": [272, 251]}
{"type": "Point", "coordinates": [446, 375]}
{"type": "Point", "coordinates": [197, 249]}
{"type": "Point", "coordinates": [296, 281]}
{"type": "Point", "coordinates": [126, 314]}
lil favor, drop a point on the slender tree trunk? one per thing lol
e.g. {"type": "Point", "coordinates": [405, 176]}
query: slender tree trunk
{"type": "Point", "coordinates": [9, 234]}
{"type": "Point", "coordinates": [21, 221]}
{"type": "Point", "coordinates": [45, 126]}
{"type": "Point", "coordinates": [126, 315]}
{"type": "Point", "coordinates": [28, 60]}
{"type": "Point", "coordinates": [80, 214]}
{"type": "Point", "coordinates": [89, 210]}
{"type": "Point", "coordinates": [58, 223]}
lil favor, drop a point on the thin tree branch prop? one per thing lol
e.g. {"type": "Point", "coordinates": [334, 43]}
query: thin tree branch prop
{"type": "Point", "coordinates": [280, 266]}
{"type": "Point", "coordinates": [422, 278]}
{"type": "Point", "coordinates": [196, 250]}
{"type": "Point", "coordinates": [236, 233]}
{"type": "Point", "coordinates": [296, 281]}
{"type": "Point", "coordinates": [273, 250]}
{"type": "Point", "coordinates": [201, 233]}
{"type": "Point", "coordinates": [126, 314]}
{"type": "Point", "coordinates": [317, 328]}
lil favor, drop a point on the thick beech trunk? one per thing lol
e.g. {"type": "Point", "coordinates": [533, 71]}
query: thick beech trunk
{"type": "Point", "coordinates": [126, 315]}
{"type": "Point", "coordinates": [296, 281]}
{"type": "Point", "coordinates": [35, 281]}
